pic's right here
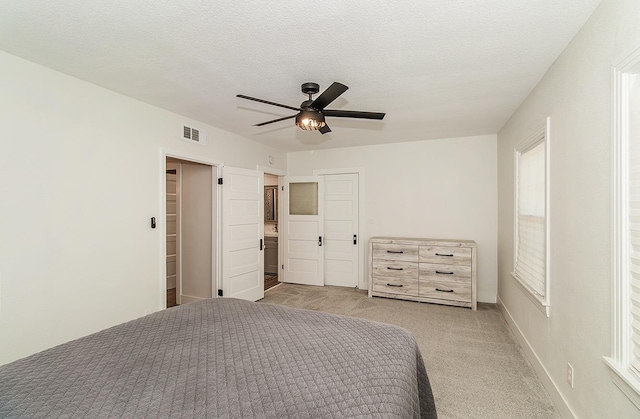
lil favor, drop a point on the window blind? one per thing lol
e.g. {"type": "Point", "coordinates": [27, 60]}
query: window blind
{"type": "Point", "coordinates": [634, 220]}
{"type": "Point", "coordinates": [530, 266]}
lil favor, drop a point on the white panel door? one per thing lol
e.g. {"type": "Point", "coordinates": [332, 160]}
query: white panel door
{"type": "Point", "coordinates": [242, 234]}
{"type": "Point", "coordinates": [341, 230]}
{"type": "Point", "coordinates": [302, 229]}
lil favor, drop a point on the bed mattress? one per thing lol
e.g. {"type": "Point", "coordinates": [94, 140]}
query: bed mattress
{"type": "Point", "coordinates": [225, 358]}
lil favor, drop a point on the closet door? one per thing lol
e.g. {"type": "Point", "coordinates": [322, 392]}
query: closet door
{"type": "Point", "coordinates": [341, 230]}
{"type": "Point", "coordinates": [302, 227]}
{"type": "Point", "coordinates": [243, 234]}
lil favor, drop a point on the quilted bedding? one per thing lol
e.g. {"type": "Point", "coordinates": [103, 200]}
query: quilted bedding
{"type": "Point", "coordinates": [225, 358]}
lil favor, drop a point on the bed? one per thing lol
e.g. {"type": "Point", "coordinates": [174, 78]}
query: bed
{"type": "Point", "coordinates": [225, 358]}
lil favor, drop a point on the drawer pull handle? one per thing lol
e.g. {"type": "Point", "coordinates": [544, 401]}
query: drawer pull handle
{"type": "Point", "coordinates": [438, 289]}
{"type": "Point", "coordinates": [394, 269]}
{"type": "Point", "coordinates": [444, 273]}
{"type": "Point", "coordinates": [395, 251]}
{"type": "Point", "coordinates": [445, 254]}
{"type": "Point", "coordinates": [395, 285]}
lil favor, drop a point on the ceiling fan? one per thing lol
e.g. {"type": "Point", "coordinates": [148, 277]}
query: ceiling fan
{"type": "Point", "coordinates": [311, 113]}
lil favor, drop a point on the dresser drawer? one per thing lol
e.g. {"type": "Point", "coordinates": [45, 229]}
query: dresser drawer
{"type": "Point", "coordinates": [407, 253]}
{"type": "Point", "coordinates": [445, 273]}
{"type": "Point", "coordinates": [445, 290]}
{"type": "Point", "coordinates": [446, 255]}
{"type": "Point", "coordinates": [395, 269]}
{"type": "Point", "coordinates": [387, 285]}
{"type": "Point", "coordinates": [441, 271]}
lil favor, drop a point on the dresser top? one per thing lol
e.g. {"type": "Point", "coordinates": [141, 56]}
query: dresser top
{"type": "Point", "coordinates": [423, 242]}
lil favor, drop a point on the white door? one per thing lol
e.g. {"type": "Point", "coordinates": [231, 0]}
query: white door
{"type": "Point", "coordinates": [341, 230]}
{"type": "Point", "coordinates": [242, 234]}
{"type": "Point", "coordinates": [302, 229]}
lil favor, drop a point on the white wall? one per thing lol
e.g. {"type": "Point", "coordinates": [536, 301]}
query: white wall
{"type": "Point", "coordinates": [81, 172]}
{"type": "Point", "coordinates": [576, 94]}
{"type": "Point", "coordinates": [434, 189]}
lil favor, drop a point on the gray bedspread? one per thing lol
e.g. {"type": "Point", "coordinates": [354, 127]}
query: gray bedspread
{"type": "Point", "coordinates": [225, 358]}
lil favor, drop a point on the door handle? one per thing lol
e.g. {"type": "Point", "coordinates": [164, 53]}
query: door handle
{"type": "Point", "coordinates": [355, 239]}
{"type": "Point", "coordinates": [319, 240]}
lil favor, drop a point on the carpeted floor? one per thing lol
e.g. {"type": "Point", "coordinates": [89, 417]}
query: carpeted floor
{"type": "Point", "coordinates": [474, 364]}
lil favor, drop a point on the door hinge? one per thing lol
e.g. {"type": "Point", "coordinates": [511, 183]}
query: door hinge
{"type": "Point", "coordinates": [283, 267]}
{"type": "Point", "coordinates": [260, 244]}
{"type": "Point", "coordinates": [219, 181]}
{"type": "Point", "coordinates": [319, 240]}
{"type": "Point", "coordinates": [355, 239]}
{"type": "Point", "coordinates": [220, 293]}
{"type": "Point", "coordinates": [283, 187]}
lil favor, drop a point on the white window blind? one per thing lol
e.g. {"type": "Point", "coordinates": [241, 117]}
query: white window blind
{"type": "Point", "coordinates": [634, 220]}
{"type": "Point", "coordinates": [625, 224]}
{"type": "Point", "coordinates": [530, 264]}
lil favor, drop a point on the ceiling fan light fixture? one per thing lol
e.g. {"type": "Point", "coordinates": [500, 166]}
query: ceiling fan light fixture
{"type": "Point", "coordinates": [310, 120]}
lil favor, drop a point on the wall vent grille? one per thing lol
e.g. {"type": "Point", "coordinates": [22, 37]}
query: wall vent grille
{"type": "Point", "coordinates": [193, 134]}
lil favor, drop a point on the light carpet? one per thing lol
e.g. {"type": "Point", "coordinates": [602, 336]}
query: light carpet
{"type": "Point", "coordinates": [475, 366]}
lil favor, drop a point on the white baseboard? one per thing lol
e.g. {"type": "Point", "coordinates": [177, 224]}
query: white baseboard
{"type": "Point", "coordinates": [186, 299]}
{"type": "Point", "coordinates": [486, 297]}
{"type": "Point", "coordinates": [542, 373]}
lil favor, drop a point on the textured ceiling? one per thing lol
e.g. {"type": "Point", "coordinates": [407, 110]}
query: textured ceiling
{"type": "Point", "coordinates": [439, 68]}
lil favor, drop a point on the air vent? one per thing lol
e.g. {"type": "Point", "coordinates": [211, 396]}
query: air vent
{"type": "Point", "coordinates": [193, 134]}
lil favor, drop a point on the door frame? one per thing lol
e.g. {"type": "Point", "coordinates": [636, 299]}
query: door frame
{"type": "Point", "coordinates": [363, 284]}
{"type": "Point", "coordinates": [216, 236]}
{"type": "Point", "coordinates": [280, 173]}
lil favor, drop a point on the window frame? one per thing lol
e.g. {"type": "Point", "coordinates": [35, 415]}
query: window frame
{"type": "Point", "coordinates": [540, 134]}
{"type": "Point", "coordinates": [627, 380]}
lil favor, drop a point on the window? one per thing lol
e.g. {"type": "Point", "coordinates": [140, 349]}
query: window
{"type": "Point", "coordinates": [531, 217]}
{"type": "Point", "coordinates": [625, 357]}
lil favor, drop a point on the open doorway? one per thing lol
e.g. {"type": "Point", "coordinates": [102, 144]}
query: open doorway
{"type": "Point", "coordinates": [191, 231]}
{"type": "Point", "coordinates": [271, 235]}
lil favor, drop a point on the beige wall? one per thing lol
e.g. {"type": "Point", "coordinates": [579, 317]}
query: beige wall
{"type": "Point", "coordinates": [436, 188]}
{"type": "Point", "coordinates": [576, 94]}
{"type": "Point", "coordinates": [196, 216]}
{"type": "Point", "coordinates": [82, 176]}
{"type": "Point", "coordinates": [270, 180]}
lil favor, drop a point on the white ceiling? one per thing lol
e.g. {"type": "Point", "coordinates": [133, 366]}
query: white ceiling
{"type": "Point", "coordinates": [438, 68]}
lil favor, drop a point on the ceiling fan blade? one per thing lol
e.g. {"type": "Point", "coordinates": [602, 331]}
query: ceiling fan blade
{"type": "Point", "coordinates": [268, 102]}
{"type": "Point", "coordinates": [275, 120]}
{"type": "Point", "coordinates": [325, 129]}
{"type": "Point", "coordinates": [329, 95]}
{"type": "Point", "coordinates": [353, 114]}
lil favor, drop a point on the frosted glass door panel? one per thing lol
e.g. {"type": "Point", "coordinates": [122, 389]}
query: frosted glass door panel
{"type": "Point", "coordinates": [303, 198]}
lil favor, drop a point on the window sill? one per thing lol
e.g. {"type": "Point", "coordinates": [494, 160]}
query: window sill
{"type": "Point", "coordinates": [537, 302]}
{"type": "Point", "coordinates": [624, 380]}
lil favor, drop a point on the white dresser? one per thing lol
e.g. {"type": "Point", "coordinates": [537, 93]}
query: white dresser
{"type": "Point", "coordinates": [429, 270]}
